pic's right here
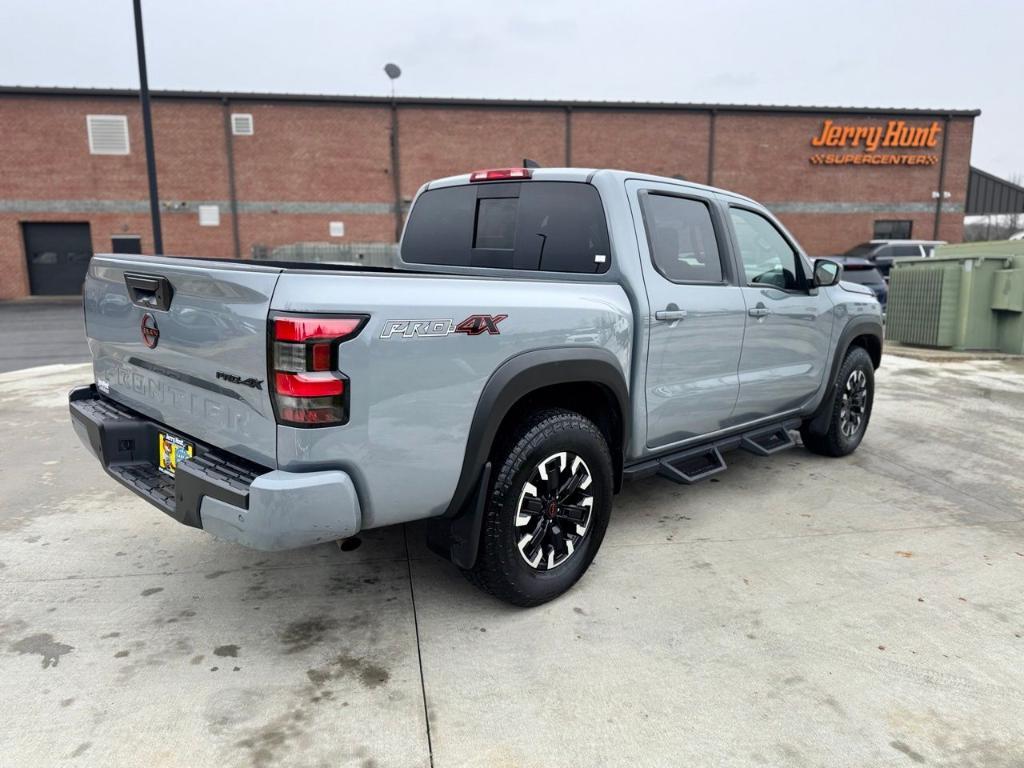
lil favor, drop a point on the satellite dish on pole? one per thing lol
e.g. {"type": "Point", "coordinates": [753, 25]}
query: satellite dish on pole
{"type": "Point", "coordinates": [393, 71]}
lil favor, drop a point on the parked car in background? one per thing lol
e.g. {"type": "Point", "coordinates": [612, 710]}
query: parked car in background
{"type": "Point", "coordinates": [882, 253]}
{"type": "Point", "coordinates": [864, 272]}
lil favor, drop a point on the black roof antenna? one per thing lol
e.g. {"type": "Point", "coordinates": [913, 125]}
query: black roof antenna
{"type": "Point", "coordinates": [528, 163]}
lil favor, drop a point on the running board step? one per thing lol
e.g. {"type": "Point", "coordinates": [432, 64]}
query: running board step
{"type": "Point", "coordinates": [692, 467]}
{"type": "Point", "coordinates": [768, 442]}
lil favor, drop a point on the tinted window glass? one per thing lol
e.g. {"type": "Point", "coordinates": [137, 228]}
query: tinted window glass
{"type": "Point", "coordinates": [552, 226]}
{"type": "Point", "coordinates": [862, 275]}
{"type": "Point", "coordinates": [767, 258]}
{"type": "Point", "coordinates": [893, 229]}
{"type": "Point", "coordinates": [862, 251]}
{"type": "Point", "coordinates": [682, 239]}
{"type": "Point", "coordinates": [906, 250]}
{"type": "Point", "coordinates": [440, 227]}
{"type": "Point", "coordinates": [496, 222]}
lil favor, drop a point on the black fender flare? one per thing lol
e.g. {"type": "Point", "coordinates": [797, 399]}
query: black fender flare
{"type": "Point", "coordinates": [456, 533]}
{"type": "Point", "coordinates": [862, 325]}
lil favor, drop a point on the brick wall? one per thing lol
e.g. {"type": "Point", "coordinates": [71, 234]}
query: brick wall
{"type": "Point", "coordinates": [309, 163]}
{"type": "Point", "coordinates": [664, 143]}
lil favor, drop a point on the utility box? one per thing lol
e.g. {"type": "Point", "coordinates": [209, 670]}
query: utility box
{"type": "Point", "coordinates": [968, 296]}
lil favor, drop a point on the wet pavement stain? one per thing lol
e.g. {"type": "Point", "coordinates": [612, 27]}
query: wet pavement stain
{"type": "Point", "coordinates": [81, 749]}
{"type": "Point", "coordinates": [370, 675]}
{"type": "Point", "coordinates": [226, 650]}
{"type": "Point", "coordinates": [302, 635]}
{"type": "Point", "coordinates": [121, 654]}
{"type": "Point", "coordinates": [45, 646]}
{"type": "Point", "coordinates": [266, 744]}
{"type": "Point", "coordinates": [899, 746]}
{"type": "Point", "coordinates": [151, 591]}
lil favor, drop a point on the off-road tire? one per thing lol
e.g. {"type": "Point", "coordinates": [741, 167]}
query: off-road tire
{"type": "Point", "coordinates": [501, 569]}
{"type": "Point", "coordinates": [833, 441]}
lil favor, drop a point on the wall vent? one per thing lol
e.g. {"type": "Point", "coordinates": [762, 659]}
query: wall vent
{"type": "Point", "coordinates": [241, 124]}
{"type": "Point", "coordinates": [108, 134]}
{"type": "Point", "coordinates": [209, 216]}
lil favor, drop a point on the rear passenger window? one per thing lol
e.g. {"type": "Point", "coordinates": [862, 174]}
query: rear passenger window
{"type": "Point", "coordinates": [682, 239]}
{"type": "Point", "coordinates": [551, 226]}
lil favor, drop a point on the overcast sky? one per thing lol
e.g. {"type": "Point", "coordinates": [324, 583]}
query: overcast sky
{"type": "Point", "coordinates": [921, 53]}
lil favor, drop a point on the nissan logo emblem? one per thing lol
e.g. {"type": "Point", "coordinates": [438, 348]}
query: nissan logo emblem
{"type": "Point", "coordinates": [150, 331]}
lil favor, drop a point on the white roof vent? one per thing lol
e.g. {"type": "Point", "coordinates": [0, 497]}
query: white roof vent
{"type": "Point", "coordinates": [108, 134]}
{"type": "Point", "coordinates": [241, 124]}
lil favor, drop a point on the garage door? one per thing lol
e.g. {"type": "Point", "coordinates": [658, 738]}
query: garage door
{"type": "Point", "coordinates": [58, 257]}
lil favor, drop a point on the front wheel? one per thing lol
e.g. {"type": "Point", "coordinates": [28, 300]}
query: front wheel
{"type": "Point", "coordinates": [548, 508]}
{"type": "Point", "coordinates": [851, 409]}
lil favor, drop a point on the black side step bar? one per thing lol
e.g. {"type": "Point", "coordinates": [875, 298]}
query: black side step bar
{"type": "Point", "coordinates": [689, 468]}
{"type": "Point", "coordinates": [700, 462]}
{"type": "Point", "coordinates": [768, 442]}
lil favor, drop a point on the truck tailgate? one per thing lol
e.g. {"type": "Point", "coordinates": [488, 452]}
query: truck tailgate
{"type": "Point", "coordinates": [185, 343]}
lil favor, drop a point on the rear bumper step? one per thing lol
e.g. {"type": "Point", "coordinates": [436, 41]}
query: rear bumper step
{"type": "Point", "coordinates": [220, 493]}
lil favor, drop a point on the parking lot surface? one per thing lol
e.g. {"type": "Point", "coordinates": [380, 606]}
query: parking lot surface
{"type": "Point", "coordinates": [41, 332]}
{"type": "Point", "coordinates": [796, 611]}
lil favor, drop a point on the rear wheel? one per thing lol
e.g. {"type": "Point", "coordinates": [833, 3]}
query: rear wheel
{"type": "Point", "coordinates": [851, 409]}
{"type": "Point", "coordinates": [548, 508]}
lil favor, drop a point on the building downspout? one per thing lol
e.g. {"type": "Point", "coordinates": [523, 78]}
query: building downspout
{"type": "Point", "coordinates": [147, 133]}
{"type": "Point", "coordinates": [396, 177]}
{"type": "Point", "coordinates": [711, 148]}
{"type": "Point", "coordinates": [229, 152]}
{"type": "Point", "coordinates": [942, 178]}
{"type": "Point", "coordinates": [568, 136]}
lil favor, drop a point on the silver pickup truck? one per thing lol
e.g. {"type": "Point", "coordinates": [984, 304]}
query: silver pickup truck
{"type": "Point", "coordinates": [548, 334]}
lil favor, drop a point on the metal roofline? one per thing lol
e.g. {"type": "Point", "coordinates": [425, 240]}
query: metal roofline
{"type": "Point", "coordinates": [428, 101]}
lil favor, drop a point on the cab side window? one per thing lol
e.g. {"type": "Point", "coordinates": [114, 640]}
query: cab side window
{"type": "Point", "coordinates": [682, 239]}
{"type": "Point", "coordinates": [767, 258]}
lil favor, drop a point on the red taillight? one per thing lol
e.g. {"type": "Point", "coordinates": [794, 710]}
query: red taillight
{"type": "Point", "coordinates": [308, 387]}
{"type": "Point", "coordinates": [302, 385]}
{"type": "Point", "coordinates": [497, 174]}
{"type": "Point", "coordinates": [304, 328]}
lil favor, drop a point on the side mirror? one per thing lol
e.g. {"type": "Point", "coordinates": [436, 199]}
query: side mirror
{"type": "Point", "coordinates": [826, 273]}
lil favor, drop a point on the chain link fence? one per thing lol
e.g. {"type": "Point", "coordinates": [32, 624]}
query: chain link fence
{"type": "Point", "coordinates": [364, 254]}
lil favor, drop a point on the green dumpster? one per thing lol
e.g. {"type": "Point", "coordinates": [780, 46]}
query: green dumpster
{"type": "Point", "coordinates": [968, 296]}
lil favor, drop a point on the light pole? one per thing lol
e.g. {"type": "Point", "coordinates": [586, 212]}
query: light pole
{"type": "Point", "coordinates": [147, 132]}
{"type": "Point", "coordinates": [394, 72]}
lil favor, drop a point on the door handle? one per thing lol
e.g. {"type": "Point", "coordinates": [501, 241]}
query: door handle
{"type": "Point", "coordinates": [759, 311]}
{"type": "Point", "coordinates": [668, 315]}
{"type": "Point", "coordinates": [150, 291]}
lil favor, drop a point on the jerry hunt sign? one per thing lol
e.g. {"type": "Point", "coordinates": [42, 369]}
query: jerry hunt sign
{"type": "Point", "coordinates": [865, 141]}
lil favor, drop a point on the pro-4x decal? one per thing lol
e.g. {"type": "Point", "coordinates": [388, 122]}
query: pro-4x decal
{"type": "Point", "coordinates": [474, 325]}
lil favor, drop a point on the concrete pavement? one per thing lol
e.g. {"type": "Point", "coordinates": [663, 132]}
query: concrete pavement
{"type": "Point", "coordinates": [800, 611]}
{"type": "Point", "coordinates": [41, 332]}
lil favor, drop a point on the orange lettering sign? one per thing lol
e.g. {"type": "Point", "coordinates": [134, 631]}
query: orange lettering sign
{"type": "Point", "coordinates": [894, 135]}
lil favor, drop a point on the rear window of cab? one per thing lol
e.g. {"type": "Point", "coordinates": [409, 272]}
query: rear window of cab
{"type": "Point", "coordinates": [548, 226]}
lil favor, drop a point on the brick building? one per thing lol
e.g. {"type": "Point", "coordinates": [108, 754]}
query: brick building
{"type": "Point", "coordinates": [239, 172]}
